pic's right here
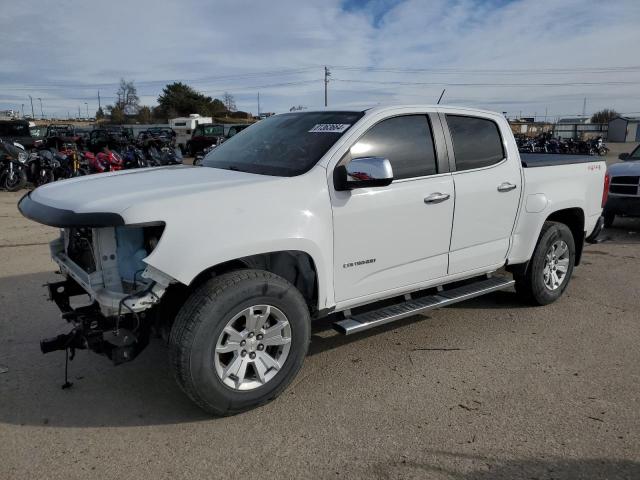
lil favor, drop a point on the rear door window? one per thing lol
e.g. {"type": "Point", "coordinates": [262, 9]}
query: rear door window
{"type": "Point", "coordinates": [476, 142]}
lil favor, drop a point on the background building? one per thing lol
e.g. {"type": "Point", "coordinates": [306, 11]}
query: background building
{"type": "Point", "coordinates": [624, 129]}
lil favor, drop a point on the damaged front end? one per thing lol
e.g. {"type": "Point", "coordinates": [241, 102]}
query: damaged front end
{"type": "Point", "coordinates": [107, 265]}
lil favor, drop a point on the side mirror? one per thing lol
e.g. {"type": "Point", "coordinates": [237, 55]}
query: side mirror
{"type": "Point", "coordinates": [363, 173]}
{"type": "Point", "coordinates": [623, 156]}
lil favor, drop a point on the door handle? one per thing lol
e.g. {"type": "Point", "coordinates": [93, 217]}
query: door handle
{"type": "Point", "coordinates": [437, 197]}
{"type": "Point", "coordinates": [506, 187]}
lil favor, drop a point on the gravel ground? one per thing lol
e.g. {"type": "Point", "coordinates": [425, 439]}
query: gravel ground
{"type": "Point", "coordinates": [489, 389]}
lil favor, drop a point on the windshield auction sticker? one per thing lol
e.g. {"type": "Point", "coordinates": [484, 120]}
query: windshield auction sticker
{"type": "Point", "coordinates": [330, 127]}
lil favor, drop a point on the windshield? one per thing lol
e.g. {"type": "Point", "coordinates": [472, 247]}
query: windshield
{"type": "Point", "coordinates": [635, 155]}
{"type": "Point", "coordinates": [283, 145]}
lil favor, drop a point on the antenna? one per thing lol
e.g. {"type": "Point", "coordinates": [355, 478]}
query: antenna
{"type": "Point", "coordinates": [441, 95]}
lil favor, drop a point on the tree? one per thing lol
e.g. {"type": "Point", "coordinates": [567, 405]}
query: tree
{"type": "Point", "coordinates": [144, 114]}
{"type": "Point", "coordinates": [298, 108]}
{"type": "Point", "coordinates": [99, 114]}
{"type": "Point", "coordinates": [128, 100]}
{"type": "Point", "coordinates": [116, 113]}
{"type": "Point", "coordinates": [604, 116]}
{"type": "Point", "coordinates": [179, 99]}
{"type": "Point", "coordinates": [229, 102]}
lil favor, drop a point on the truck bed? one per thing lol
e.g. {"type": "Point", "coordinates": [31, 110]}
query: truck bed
{"type": "Point", "coordinates": [532, 160]}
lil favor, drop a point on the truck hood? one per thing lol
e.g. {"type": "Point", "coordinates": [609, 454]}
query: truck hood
{"type": "Point", "coordinates": [625, 168]}
{"type": "Point", "coordinates": [117, 191]}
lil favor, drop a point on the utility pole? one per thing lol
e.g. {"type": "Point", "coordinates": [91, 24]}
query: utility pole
{"type": "Point", "coordinates": [546, 110]}
{"type": "Point", "coordinates": [22, 111]}
{"type": "Point", "coordinates": [33, 115]}
{"type": "Point", "coordinates": [327, 74]}
{"type": "Point", "coordinates": [584, 107]}
{"type": "Point", "coordinates": [258, 104]}
{"type": "Point", "coordinates": [41, 111]}
{"type": "Point", "coordinates": [99, 100]}
{"type": "Point", "coordinates": [87, 105]}
{"type": "Point", "coordinates": [79, 112]}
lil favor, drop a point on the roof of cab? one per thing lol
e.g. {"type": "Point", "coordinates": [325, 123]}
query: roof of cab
{"type": "Point", "coordinates": [369, 109]}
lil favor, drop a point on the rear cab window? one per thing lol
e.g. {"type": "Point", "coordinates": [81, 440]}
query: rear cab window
{"type": "Point", "coordinates": [476, 142]}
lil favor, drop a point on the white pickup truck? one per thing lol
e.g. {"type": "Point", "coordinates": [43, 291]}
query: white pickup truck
{"type": "Point", "coordinates": [366, 215]}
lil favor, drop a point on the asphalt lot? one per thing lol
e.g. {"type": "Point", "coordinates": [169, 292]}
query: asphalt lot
{"type": "Point", "coordinates": [488, 389]}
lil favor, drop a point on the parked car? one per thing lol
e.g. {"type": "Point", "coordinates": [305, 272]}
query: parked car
{"type": "Point", "coordinates": [162, 132]}
{"type": "Point", "coordinates": [19, 131]}
{"type": "Point", "coordinates": [102, 138]}
{"type": "Point", "coordinates": [624, 188]}
{"type": "Point", "coordinates": [205, 136]}
{"type": "Point", "coordinates": [59, 134]}
{"type": "Point", "coordinates": [368, 216]}
{"type": "Point", "coordinates": [83, 135]}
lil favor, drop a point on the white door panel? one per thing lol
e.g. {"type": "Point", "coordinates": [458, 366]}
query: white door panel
{"type": "Point", "coordinates": [475, 256]}
{"type": "Point", "coordinates": [389, 237]}
{"type": "Point", "coordinates": [484, 216]}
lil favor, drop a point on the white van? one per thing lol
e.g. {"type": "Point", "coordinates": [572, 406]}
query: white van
{"type": "Point", "coordinates": [184, 126]}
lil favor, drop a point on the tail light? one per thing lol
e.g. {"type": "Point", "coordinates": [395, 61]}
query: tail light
{"type": "Point", "coordinates": [605, 192]}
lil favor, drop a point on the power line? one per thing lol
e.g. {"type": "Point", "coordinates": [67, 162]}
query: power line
{"type": "Point", "coordinates": [209, 79]}
{"type": "Point", "coordinates": [474, 84]}
{"type": "Point", "coordinates": [521, 71]}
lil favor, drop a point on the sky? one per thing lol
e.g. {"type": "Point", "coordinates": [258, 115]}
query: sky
{"type": "Point", "coordinates": [523, 57]}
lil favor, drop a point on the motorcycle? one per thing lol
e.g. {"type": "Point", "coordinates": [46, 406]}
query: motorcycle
{"type": "Point", "coordinates": [600, 147]}
{"type": "Point", "coordinates": [13, 175]}
{"type": "Point", "coordinates": [76, 165]}
{"type": "Point", "coordinates": [197, 161]}
{"type": "Point", "coordinates": [39, 168]}
{"type": "Point", "coordinates": [165, 156]}
{"type": "Point", "coordinates": [134, 157]}
{"type": "Point", "coordinates": [106, 161]}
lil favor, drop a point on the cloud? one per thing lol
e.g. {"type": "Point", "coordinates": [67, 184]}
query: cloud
{"type": "Point", "coordinates": [406, 51]}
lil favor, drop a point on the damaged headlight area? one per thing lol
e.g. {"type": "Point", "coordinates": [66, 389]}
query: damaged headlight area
{"type": "Point", "coordinates": [107, 264]}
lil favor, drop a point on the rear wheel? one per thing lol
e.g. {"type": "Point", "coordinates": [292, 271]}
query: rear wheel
{"type": "Point", "coordinates": [239, 340]}
{"type": "Point", "coordinates": [549, 270]}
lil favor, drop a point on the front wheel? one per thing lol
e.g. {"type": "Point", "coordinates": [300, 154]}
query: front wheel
{"type": "Point", "coordinates": [14, 180]}
{"type": "Point", "coordinates": [550, 268]}
{"type": "Point", "coordinates": [239, 340]}
{"type": "Point", "coordinates": [45, 176]}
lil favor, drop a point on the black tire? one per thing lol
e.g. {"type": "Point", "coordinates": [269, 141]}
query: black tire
{"type": "Point", "coordinates": [530, 284]}
{"type": "Point", "coordinates": [200, 322]}
{"type": "Point", "coordinates": [18, 182]}
{"type": "Point", "coordinates": [609, 218]}
{"type": "Point", "coordinates": [45, 176]}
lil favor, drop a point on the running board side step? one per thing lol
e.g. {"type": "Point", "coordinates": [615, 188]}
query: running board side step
{"type": "Point", "coordinates": [374, 318]}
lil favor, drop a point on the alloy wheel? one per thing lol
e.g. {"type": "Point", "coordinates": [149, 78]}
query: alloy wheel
{"type": "Point", "coordinates": [253, 347]}
{"type": "Point", "coordinates": [556, 265]}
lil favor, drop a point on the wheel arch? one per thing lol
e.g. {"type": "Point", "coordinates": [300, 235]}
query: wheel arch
{"type": "Point", "coordinates": [573, 218]}
{"type": "Point", "coordinates": [296, 266]}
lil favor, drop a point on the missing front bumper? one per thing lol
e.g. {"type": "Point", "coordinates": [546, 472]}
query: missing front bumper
{"type": "Point", "coordinates": [120, 338]}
